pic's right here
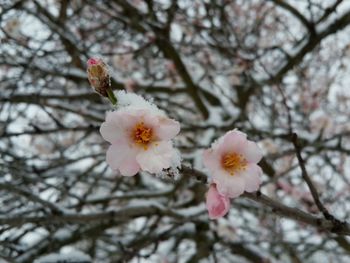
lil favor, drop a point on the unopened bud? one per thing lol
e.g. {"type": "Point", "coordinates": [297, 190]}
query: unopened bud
{"type": "Point", "coordinates": [99, 78]}
{"type": "Point", "coordinates": [98, 75]}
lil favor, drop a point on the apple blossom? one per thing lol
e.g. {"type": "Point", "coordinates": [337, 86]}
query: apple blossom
{"type": "Point", "coordinates": [140, 139]}
{"type": "Point", "coordinates": [232, 161]}
{"type": "Point", "coordinates": [217, 204]}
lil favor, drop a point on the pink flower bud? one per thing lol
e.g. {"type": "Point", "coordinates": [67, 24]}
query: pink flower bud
{"type": "Point", "coordinates": [217, 204]}
{"type": "Point", "coordinates": [98, 76]}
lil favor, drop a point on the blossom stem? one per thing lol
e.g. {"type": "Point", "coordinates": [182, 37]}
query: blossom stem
{"type": "Point", "coordinates": [111, 96]}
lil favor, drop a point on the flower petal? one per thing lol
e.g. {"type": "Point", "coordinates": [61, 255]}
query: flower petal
{"type": "Point", "coordinates": [229, 186]}
{"type": "Point", "coordinates": [217, 204]}
{"type": "Point", "coordinates": [150, 119]}
{"type": "Point", "coordinates": [157, 157]}
{"type": "Point", "coordinates": [252, 152]}
{"type": "Point", "coordinates": [121, 157]}
{"type": "Point", "coordinates": [118, 125]}
{"type": "Point", "coordinates": [167, 128]}
{"type": "Point", "coordinates": [211, 160]}
{"type": "Point", "coordinates": [127, 120]}
{"type": "Point", "coordinates": [131, 117]}
{"type": "Point", "coordinates": [252, 176]}
{"type": "Point", "coordinates": [233, 141]}
{"type": "Point", "coordinates": [109, 129]}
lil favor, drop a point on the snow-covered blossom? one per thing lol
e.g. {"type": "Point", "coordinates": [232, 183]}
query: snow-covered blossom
{"type": "Point", "coordinates": [217, 204]}
{"type": "Point", "coordinates": [232, 161]}
{"type": "Point", "coordinates": [140, 136]}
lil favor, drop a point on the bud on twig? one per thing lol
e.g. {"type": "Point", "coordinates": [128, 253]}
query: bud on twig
{"type": "Point", "coordinates": [99, 78]}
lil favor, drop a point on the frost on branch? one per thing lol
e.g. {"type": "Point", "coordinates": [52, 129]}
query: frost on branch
{"type": "Point", "coordinates": [71, 257]}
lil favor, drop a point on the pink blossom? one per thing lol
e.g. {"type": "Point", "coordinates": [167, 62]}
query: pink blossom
{"type": "Point", "coordinates": [232, 161]}
{"type": "Point", "coordinates": [217, 204]}
{"type": "Point", "coordinates": [140, 140]}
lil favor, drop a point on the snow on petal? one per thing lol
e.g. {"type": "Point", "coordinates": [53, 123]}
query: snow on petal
{"type": "Point", "coordinates": [217, 204]}
{"type": "Point", "coordinates": [158, 157]}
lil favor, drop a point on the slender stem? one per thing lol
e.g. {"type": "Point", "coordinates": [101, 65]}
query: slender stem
{"type": "Point", "coordinates": [111, 96]}
{"type": "Point", "coordinates": [308, 180]}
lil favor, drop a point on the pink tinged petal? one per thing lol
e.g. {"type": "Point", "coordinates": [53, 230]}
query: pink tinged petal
{"type": "Point", "coordinates": [119, 125]}
{"type": "Point", "coordinates": [252, 176]}
{"type": "Point", "coordinates": [233, 141]}
{"type": "Point", "coordinates": [131, 117]}
{"type": "Point", "coordinates": [211, 160]}
{"type": "Point", "coordinates": [252, 152]}
{"type": "Point", "coordinates": [127, 120]}
{"type": "Point", "coordinates": [229, 186]}
{"type": "Point", "coordinates": [157, 157]}
{"type": "Point", "coordinates": [217, 204]}
{"type": "Point", "coordinates": [111, 130]}
{"type": "Point", "coordinates": [167, 128]}
{"type": "Point", "coordinates": [122, 157]}
{"type": "Point", "coordinates": [148, 118]}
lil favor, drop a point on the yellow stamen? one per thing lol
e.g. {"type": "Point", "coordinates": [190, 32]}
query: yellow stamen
{"type": "Point", "coordinates": [142, 135]}
{"type": "Point", "coordinates": [233, 163]}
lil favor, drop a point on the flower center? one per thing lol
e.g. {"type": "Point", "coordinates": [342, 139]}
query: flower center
{"type": "Point", "coordinates": [142, 135]}
{"type": "Point", "coordinates": [233, 163]}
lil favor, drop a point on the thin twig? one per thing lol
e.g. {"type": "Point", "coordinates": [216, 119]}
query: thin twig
{"type": "Point", "coordinates": [308, 180]}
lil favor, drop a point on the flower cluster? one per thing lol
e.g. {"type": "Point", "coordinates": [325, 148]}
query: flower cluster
{"type": "Point", "coordinates": [141, 140]}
